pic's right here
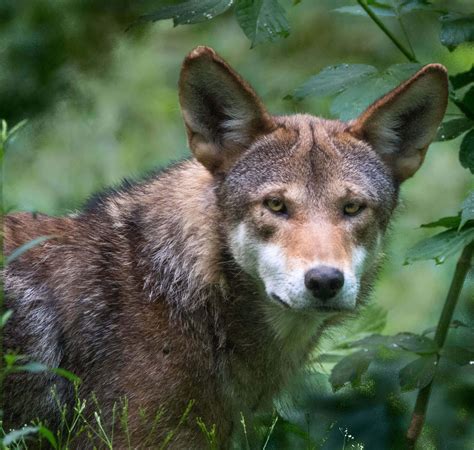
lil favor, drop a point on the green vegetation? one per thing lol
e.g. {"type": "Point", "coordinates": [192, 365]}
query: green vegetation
{"type": "Point", "coordinates": [101, 104]}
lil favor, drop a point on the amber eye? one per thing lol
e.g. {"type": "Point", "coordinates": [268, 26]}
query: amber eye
{"type": "Point", "coordinates": [351, 209]}
{"type": "Point", "coordinates": [275, 205]}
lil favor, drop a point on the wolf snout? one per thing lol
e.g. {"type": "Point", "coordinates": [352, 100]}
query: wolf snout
{"type": "Point", "coordinates": [324, 282]}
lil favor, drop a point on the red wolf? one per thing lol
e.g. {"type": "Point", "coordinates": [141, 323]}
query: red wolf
{"type": "Point", "coordinates": [213, 280]}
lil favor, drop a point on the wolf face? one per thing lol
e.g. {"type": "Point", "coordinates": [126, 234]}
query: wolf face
{"type": "Point", "coordinates": [307, 201]}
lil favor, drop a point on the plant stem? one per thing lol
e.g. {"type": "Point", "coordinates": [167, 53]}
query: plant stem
{"type": "Point", "coordinates": [462, 268]}
{"type": "Point", "coordinates": [387, 32]}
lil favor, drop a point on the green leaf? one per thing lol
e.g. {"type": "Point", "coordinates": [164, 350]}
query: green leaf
{"type": "Point", "coordinates": [468, 102]}
{"type": "Point", "coordinates": [466, 153]}
{"type": "Point", "coordinates": [459, 355]}
{"type": "Point", "coordinates": [362, 93]}
{"type": "Point", "coordinates": [416, 343]}
{"type": "Point", "coordinates": [334, 79]}
{"type": "Point", "coordinates": [66, 374]}
{"type": "Point", "coordinates": [188, 12]}
{"type": "Point", "coordinates": [462, 79]}
{"type": "Point", "coordinates": [453, 128]}
{"type": "Point", "coordinates": [17, 435]}
{"type": "Point", "coordinates": [418, 373]}
{"type": "Point", "coordinates": [445, 222]}
{"type": "Point", "coordinates": [350, 369]}
{"type": "Point", "coordinates": [353, 101]}
{"type": "Point", "coordinates": [440, 246]}
{"type": "Point", "coordinates": [381, 11]}
{"type": "Point", "coordinates": [48, 435]}
{"type": "Point", "coordinates": [32, 367]}
{"type": "Point", "coordinates": [262, 20]}
{"type": "Point", "coordinates": [456, 29]}
{"type": "Point", "coordinates": [467, 211]}
{"type": "Point", "coordinates": [4, 318]}
{"type": "Point", "coordinates": [25, 247]}
{"type": "Point", "coordinates": [454, 324]}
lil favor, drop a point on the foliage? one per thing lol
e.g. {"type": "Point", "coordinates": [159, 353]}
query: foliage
{"type": "Point", "coordinates": [376, 366]}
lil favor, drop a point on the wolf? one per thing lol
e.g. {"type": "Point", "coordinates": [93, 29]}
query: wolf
{"type": "Point", "coordinates": [213, 280]}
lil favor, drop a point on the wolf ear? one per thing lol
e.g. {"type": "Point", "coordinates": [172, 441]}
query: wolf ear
{"type": "Point", "coordinates": [401, 125]}
{"type": "Point", "coordinates": [222, 113]}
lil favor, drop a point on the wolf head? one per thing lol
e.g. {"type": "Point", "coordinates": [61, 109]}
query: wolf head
{"type": "Point", "coordinates": [306, 201]}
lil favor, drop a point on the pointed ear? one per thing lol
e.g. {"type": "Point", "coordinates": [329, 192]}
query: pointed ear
{"type": "Point", "coordinates": [222, 113]}
{"type": "Point", "coordinates": [401, 125]}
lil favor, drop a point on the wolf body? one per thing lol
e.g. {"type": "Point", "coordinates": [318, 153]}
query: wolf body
{"type": "Point", "coordinates": [212, 281]}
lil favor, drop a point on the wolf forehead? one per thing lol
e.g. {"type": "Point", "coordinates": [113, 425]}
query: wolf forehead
{"type": "Point", "coordinates": [319, 156]}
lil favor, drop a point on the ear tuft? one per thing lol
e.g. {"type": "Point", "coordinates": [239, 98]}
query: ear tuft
{"type": "Point", "coordinates": [401, 125]}
{"type": "Point", "coordinates": [222, 113]}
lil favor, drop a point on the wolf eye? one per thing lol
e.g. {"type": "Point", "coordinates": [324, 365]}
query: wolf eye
{"type": "Point", "coordinates": [275, 205]}
{"type": "Point", "coordinates": [352, 209]}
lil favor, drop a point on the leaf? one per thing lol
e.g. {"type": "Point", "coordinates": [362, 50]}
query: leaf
{"type": "Point", "coordinates": [453, 128]}
{"type": "Point", "coordinates": [446, 222]}
{"type": "Point", "coordinates": [350, 369]}
{"type": "Point", "coordinates": [4, 318]}
{"type": "Point", "coordinates": [466, 153]}
{"type": "Point", "coordinates": [17, 435]}
{"type": "Point", "coordinates": [334, 79]}
{"type": "Point", "coordinates": [456, 29]}
{"type": "Point", "coordinates": [454, 324]}
{"type": "Point", "coordinates": [460, 355]}
{"type": "Point", "coordinates": [418, 373]}
{"type": "Point", "coordinates": [48, 435]}
{"type": "Point", "coordinates": [262, 20]}
{"type": "Point", "coordinates": [188, 12]}
{"type": "Point", "coordinates": [462, 79]}
{"type": "Point", "coordinates": [28, 246]}
{"type": "Point", "coordinates": [416, 343]}
{"type": "Point", "coordinates": [33, 367]}
{"type": "Point", "coordinates": [354, 100]}
{"type": "Point", "coordinates": [440, 246]}
{"type": "Point", "coordinates": [66, 374]}
{"type": "Point", "coordinates": [381, 11]}
{"type": "Point", "coordinates": [372, 319]}
{"type": "Point", "coordinates": [467, 211]}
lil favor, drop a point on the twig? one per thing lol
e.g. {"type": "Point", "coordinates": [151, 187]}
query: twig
{"type": "Point", "coordinates": [419, 413]}
{"type": "Point", "coordinates": [387, 32]}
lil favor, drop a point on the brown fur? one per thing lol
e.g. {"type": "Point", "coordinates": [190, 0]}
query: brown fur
{"type": "Point", "coordinates": [142, 294]}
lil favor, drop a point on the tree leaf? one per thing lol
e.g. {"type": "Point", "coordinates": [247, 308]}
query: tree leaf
{"type": "Point", "coordinates": [459, 355]}
{"type": "Point", "coordinates": [440, 246]}
{"type": "Point", "coordinates": [418, 373]}
{"type": "Point", "coordinates": [360, 94]}
{"type": "Point", "coordinates": [350, 369]}
{"type": "Point", "coordinates": [462, 79]}
{"type": "Point", "coordinates": [262, 20]}
{"type": "Point", "coordinates": [381, 11]}
{"type": "Point", "coordinates": [416, 343]}
{"type": "Point", "coordinates": [17, 435]}
{"type": "Point", "coordinates": [27, 246]}
{"type": "Point", "coordinates": [446, 222]}
{"type": "Point", "coordinates": [334, 79]}
{"type": "Point", "coordinates": [453, 128]}
{"type": "Point", "coordinates": [456, 29]}
{"type": "Point", "coordinates": [188, 12]}
{"type": "Point", "coordinates": [467, 212]}
{"type": "Point", "coordinates": [466, 152]}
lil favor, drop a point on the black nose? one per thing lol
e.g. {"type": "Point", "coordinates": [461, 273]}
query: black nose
{"type": "Point", "coordinates": [324, 281]}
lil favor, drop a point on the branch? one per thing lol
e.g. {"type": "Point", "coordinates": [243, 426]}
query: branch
{"type": "Point", "coordinates": [419, 413]}
{"type": "Point", "coordinates": [387, 32]}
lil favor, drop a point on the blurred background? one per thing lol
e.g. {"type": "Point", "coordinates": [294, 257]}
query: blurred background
{"type": "Point", "coordinates": [101, 104]}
